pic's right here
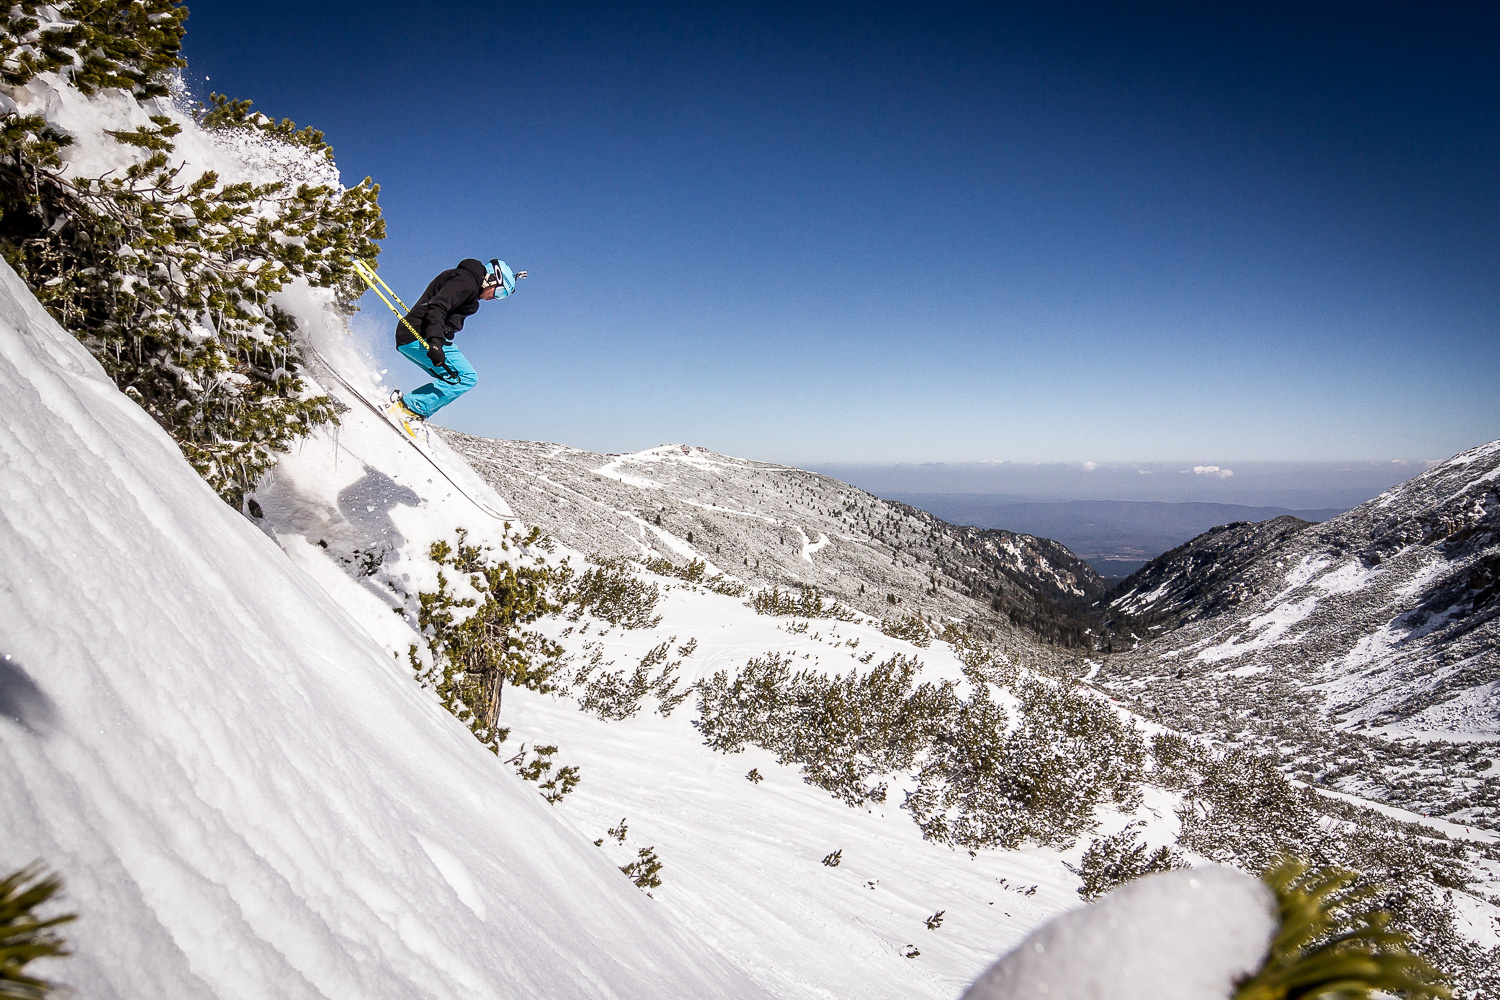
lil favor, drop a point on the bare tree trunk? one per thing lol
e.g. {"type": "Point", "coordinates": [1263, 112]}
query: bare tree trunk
{"type": "Point", "coordinates": [494, 688]}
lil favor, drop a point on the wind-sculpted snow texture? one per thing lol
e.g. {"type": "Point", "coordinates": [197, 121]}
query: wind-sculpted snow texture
{"type": "Point", "coordinates": [1367, 646]}
{"type": "Point", "coordinates": [248, 796]}
{"type": "Point", "coordinates": [773, 525]}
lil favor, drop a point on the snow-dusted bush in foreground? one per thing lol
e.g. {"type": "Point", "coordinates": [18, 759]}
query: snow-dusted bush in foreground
{"type": "Point", "coordinates": [166, 269]}
{"type": "Point", "coordinates": [1217, 934]}
{"type": "Point", "coordinates": [1240, 809]}
{"type": "Point", "coordinates": [1189, 935]}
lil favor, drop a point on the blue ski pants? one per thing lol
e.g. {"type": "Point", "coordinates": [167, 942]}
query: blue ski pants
{"type": "Point", "coordinates": [445, 387]}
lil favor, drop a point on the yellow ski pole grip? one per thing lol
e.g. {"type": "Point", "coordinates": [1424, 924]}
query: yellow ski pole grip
{"type": "Point", "coordinates": [370, 270]}
{"type": "Point", "coordinates": [375, 282]}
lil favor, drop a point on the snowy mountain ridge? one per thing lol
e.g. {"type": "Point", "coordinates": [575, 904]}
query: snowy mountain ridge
{"type": "Point", "coordinates": [771, 525]}
{"type": "Point", "coordinates": [1384, 621]}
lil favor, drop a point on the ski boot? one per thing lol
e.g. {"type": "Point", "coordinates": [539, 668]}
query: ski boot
{"type": "Point", "coordinates": [405, 417]}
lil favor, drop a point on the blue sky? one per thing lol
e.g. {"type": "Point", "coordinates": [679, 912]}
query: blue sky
{"type": "Point", "coordinates": [925, 233]}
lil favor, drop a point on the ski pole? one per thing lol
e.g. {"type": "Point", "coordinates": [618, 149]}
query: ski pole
{"type": "Point", "coordinates": [370, 271]}
{"type": "Point", "coordinates": [376, 283]}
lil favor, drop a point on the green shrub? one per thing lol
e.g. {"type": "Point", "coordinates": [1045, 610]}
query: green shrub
{"type": "Point", "coordinates": [538, 769]}
{"type": "Point", "coordinates": [810, 604]}
{"type": "Point", "coordinates": [130, 45]}
{"type": "Point", "coordinates": [695, 572]}
{"type": "Point", "coordinates": [842, 730]}
{"type": "Point", "coordinates": [1173, 761]}
{"type": "Point", "coordinates": [1332, 945]}
{"type": "Point", "coordinates": [1110, 862]}
{"type": "Point", "coordinates": [611, 591]}
{"type": "Point", "coordinates": [1070, 753]}
{"type": "Point", "coordinates": [645, 870]}
{"type": "Point", "coordinates": [167, 279]}
{"type": "Point", "coordinates": [912, 627]}
{"type": "Point", "coordinates": [26, 936]}
{"type": "Point", "coordinates": [479, 643]}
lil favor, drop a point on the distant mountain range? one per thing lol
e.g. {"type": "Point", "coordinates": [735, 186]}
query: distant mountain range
{"type": "Point", "coordinates": [1382, 622]}
{"type": "Point", "coordinates": [1115, 537]}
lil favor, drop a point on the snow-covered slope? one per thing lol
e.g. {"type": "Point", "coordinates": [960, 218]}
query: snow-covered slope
{"type": "Point", "coordinates": [743, 861]}
{"type": "Point", "coordinates": [770, 524]}
{"type": "Point", "coordinates": [247, 795]}
{"type": "Point", "coordinates": [1383, 621]}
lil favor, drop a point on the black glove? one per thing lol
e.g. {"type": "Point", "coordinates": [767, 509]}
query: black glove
{"type": "Point", "coordinates": [440, 362]}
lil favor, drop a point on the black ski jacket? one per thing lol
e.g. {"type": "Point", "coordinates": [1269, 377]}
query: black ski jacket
{"type": "Point", "coordinates": [452, 297]}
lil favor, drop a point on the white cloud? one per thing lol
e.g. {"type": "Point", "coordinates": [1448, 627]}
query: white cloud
{"type": "Point", "coordinates": [1090, 466]}
{"type": "Point", "coordinates": [1212, 470]}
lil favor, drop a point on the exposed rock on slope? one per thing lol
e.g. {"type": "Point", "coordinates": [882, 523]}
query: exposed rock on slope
{"type": "Point", "coordinates": [769, 525]}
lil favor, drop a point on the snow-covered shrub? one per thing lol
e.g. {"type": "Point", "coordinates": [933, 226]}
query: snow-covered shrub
{"type": "Point", "coordinates": [614, 695]}
{"type": "Point", "coordinates": [1121, 857]}
{"type": "Point", "coordinates": [611, 591]}
{"type": "Point", "coordinates": [25, 935]}
{"type": "Point", "coordinates": [978, 784]}
{"type": "Point", "coordinates": [645, 870]}
{"type": "Point", "coordinates": [668, 694]}
{"type": "Point", "coordinates": [478, 640]}
{"type": "Point", "coordinates": [168, 275]}
{"type": "Point", "coordinates": [1173, 761]}
{"type": "Point", "coordinates": [981, 663]}
{"type": "Point", "coordinates": [981, 786]}
{"type": "Point", "coordinates": [842, 730]}
{"type": "Point", "coordinates": [913, 628]}
{"type": "Point", "coordinates": [130, 45]}
{"type": "Point", "coordinates": [809, 605]}
{"type": "Point", "coordinates": [696, 571]}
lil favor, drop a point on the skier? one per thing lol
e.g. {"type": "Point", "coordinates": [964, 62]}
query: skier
{"type": "Point", "coordinates": [425, 336]}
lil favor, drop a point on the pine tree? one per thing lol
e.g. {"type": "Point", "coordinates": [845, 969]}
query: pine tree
{"type": "Point", "coordinates": [479, 643]}
{"type": "Point", "coordinates": [169, 279]}
{"type": "Point", "coordinates": [1332, 945]}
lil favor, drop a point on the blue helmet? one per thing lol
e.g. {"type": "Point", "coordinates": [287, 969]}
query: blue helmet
{"type": "Point", "coordinates": [502, 277]}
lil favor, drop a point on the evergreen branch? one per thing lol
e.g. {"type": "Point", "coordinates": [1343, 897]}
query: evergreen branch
{"type": "Point", "coordinates": [1330, 946]}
